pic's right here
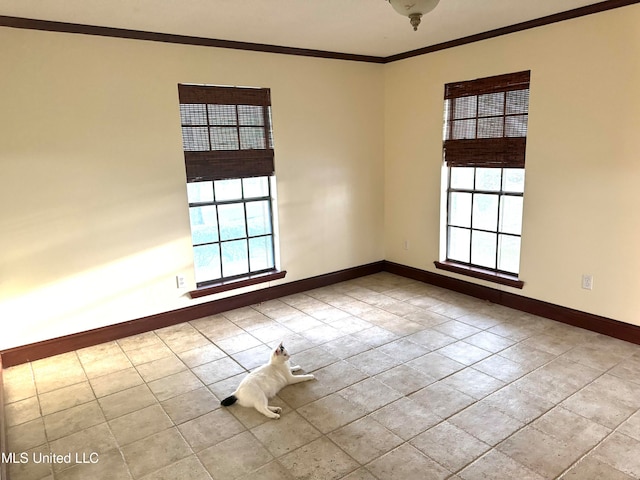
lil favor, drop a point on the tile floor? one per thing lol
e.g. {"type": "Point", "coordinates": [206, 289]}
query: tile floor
{"type": "Point", "coordinates": [413, 382]}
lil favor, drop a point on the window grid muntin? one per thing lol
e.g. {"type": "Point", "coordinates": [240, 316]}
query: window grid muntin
{"type": "Point", "coordinates": [499, 193]}
{"type": "Point", "coordinates": [247, 237]}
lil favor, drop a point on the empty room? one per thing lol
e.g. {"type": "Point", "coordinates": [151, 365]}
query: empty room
{"type": "Point", "coordinates": [333, 239]}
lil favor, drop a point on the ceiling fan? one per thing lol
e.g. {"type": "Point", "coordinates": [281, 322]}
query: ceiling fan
{"type": "Point", "coordinates": [414, 9]}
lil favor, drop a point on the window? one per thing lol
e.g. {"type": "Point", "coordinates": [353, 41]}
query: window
{"type": "Point", "coordinates": [484, 149]}
{"type": "Point", "coordinates": [229, 159]}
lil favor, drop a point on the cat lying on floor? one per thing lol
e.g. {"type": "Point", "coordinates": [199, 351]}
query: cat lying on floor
{"type": "Point", "coordinates": [259, 386]}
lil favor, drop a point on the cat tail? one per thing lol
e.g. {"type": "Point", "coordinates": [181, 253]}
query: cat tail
{"type": "Point", "coordinates": [229, 401]}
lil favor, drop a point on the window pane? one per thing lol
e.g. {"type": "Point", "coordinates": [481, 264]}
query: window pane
{"type": "Point", "coordinates": [255, 187]}
{"type": "Point", "coordinates": [490, 127]}
{"type": "Point", "coordinates": [516, 126]}
{"type": "Point", "coordinates": [252, 138]}
{"type": "Point", "coordinates": [193, 114]}
{"type": "Point", "coordinates": [207, 262]}
{"type": "Point", "coordinates": [513, 180]}
{"type": "Point", "coordinates": [491, 104]}
{"type": "Point", "coordinates": [463, 129]}
{"type": "Point", "coordinates": [199, 192]}
{"type": "Point", "coordinates": [511, 215]}
{"type": "Point", "coordinates": [235, 258]}
{"type": "Point", "coordinates": [488, 179]}
{"type": "Point", "coordinates": [460, 209]}
{"type": "Point", "coordinates": [224, 138]}
{"type": "Point", "coordinates": [485, 212]}
{"type": "Point", "coordinates": [517, 101]}
{"type": "Point", "coordinates": [222, 114]}
{"type": "Point", "coordinates": [509, 253]}
{"type": "Point", "coordinates": [228, 190]}
{"type": "Point", "coordinates": [195, 139]}
{"type": "Point", "coordinates": [231, 218]}
{"type": "Point", "coordinates": [483, 249]}
{"type": "Point", "coordinates": [204, 224]}
{"type": "Point", "coordinates": [462, 177]}
{"type": "Point", "coordinates": [261, 253]}
{"type": "Point", "coordinates": [250, 115]}
{"type": "Point", "coordinates": [464, 107]}
{"type": "Point", "coordinates": [458, 248]}
{"type": "Point", "coordinates": [258, 218]}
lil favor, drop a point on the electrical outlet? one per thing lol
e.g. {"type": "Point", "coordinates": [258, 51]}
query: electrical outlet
{"type": "Point", "coordinates": [587, 282]}
{"type": "Point", "coordinates": [405, 244]}
{"type": "Point", "coordinates": [181, 282]}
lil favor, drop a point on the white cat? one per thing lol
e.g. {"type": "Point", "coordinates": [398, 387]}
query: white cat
{"type": "Point", "coordinates": [265, 382]}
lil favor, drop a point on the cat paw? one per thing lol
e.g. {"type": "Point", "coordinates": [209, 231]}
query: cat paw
{"type": "Point", "coordinates": [276, 416]}
{"type": "Point", "coordinates": [276, 410]}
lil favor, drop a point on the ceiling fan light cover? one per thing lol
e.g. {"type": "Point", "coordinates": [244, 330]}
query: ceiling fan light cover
{"type": "Point", "coordinates": [411, 7]}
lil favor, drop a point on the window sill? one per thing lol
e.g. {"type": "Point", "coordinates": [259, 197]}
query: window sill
{"type": "Point", "coordinates": [237, 283]}
{"type": "Point", "coordinates": [476, 272]}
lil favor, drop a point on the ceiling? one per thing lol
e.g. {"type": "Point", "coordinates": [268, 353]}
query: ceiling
{"type": "Point", "coordinates": [362, 27]}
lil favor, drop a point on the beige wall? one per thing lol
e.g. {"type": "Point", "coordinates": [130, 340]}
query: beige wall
{"type": "Point", "coordinates": [93, 208]}
{"type": "Point", "coordinates": [582, 190]}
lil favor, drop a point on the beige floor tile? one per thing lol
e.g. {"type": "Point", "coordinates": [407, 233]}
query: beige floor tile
{"type": "Point", "coordinates": [217, 370]}
{"type": "Point", "coordinates": [19, 383]}
{"type": "Point", "coordinates": [319, 459]}
{"type": "Point", "coordinates": [450, 446]}
{"type": "Point", "coordinates": [126, 401]}
{"type": "Point", "coordinates": [407, 463]}
{"type": "Point", "coordinates": [551, 343]}
{"type": "Point", "coordinates": [22, 411]}
{"type": "Point", "coordinates": [442, 399]}
{"type": "Point", "coordinates": [365, 439]}
{"type": "Point", "coordinates": [161, 368]}
{"type": "Point", "coordinates": [182, 337]}
{"type": "Point", "coordinates": [149, 353]}
{"type": "Point", "coordinates": [345, 346]}
{"type": "Point", "coordinates": [370, 394]}
{"type": "Point", "coordinates": [314, 359]}
{"type": "Point", "coordinates": [474, 383]}
{"type": "Point", "coordinates": [142, 340]}
{"type": "Point", "coordinates": [571, 428]}
{"type": "Point", "coordinates": [502, 368]}
{"type": "Point", "coordinates": [464, 353]}
{"type": "Point", "coordinates": [406, 418]}
{"type": "Point", "coordinates": [631, 426]}
{"type": "Point", "coordinates": [81, 445]}
{"type": "Point", "coordinates": [237, 343]}
{"type": "Point", "coordinates": [436, 365]}
{"type": "Point", "coordinates": [590, 467]}
{"type": "Point", "coordinates": [201, 355]}
{"type": "Point", "coordinates": [456, 329]}
{"type": "Point", "coordinates": [521, 405]}
{"type": "Point", "coordinates": [57, 372]}
{"type": "Point", "coordinates": [621, 452]}
{"type": "Point", "coordinates": [331, 412]}
{"type": "Point", "coordinates": [403, 350]}
{"type": "Point", "coordinates": [31, 470]}
{"type": "Point", "coordinates": [373, 361]}
{"type": "Point", "coordinates": [114, 362]}
{"type": "Point", "coordinates": [217, 327]}
{"type": "Point", "coordinates": [110, 466]}
{"type": "Point", "coordinates": [254, 357]}
{"type": "Point", "coordinates": [21, 438]}
{"type": "Point", "coordinates": [527, 356]}
{"type": "Point", "coordinates": [174, 385]}
{"type": "Point", "coordinates": [497, 466]}
{"type": "Point", "coordinates": [285, 435]}
{"type": "Point", "coordinates": [489, 341]}
{"type": "Point", "coordinates": [271, 471]}
{"type": "Point", "coordinates": [66, 397]}
{"type": "Point", "coordinates": [540, 452]}
{"type": "Point", "coordinates": [375, 336]}
{"type": "Point", "coordinates": [190, 405]}
{"type": "Point", "coordinates": [210, 429]}
{"type": "Point", "coordinates": [188, 468]}
{"type": "Point", "coordinates": [229, 460]}
{"type": "Point", "coordinates": [72, 420]}
{"type": "Point", "coordinates": [139, 424]}
{"type": "Point", "coordinates": [115, 382]}
{"type": "Point", "coordinates": [155, 452]}
{"type": "Point", "coordinates": [431, 339]}
{"type": "Point", "coordinates": [405, 379]}
{"type": "Point", "coordinates": [486, 423]}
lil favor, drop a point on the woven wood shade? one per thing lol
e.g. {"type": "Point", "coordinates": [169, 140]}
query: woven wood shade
{"type": "Point", "coordinates": [226, 132]}
{"type": "Point", "coordinates": [486, 121]}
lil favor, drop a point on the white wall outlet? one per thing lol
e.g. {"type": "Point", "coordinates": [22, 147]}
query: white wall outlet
{"type": "Point", "coordinates": [181, 282]}
{"type": "Point", "coordinates": [587, 282]}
